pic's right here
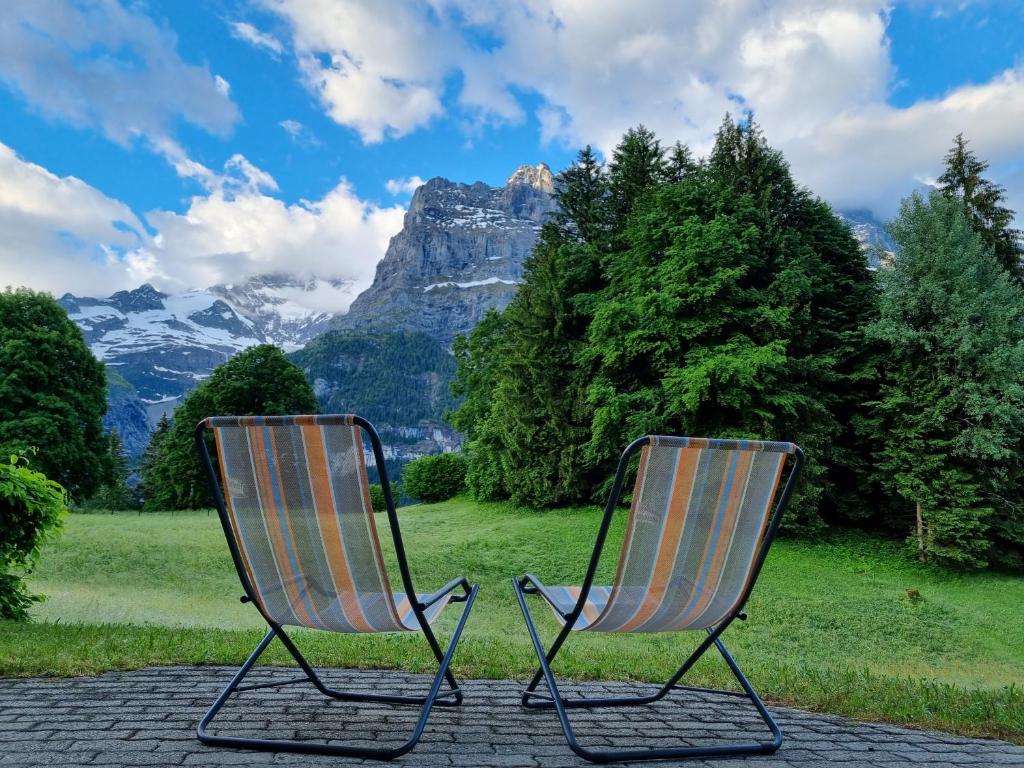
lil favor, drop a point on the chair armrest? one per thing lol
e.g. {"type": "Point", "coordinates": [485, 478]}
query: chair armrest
{"type": "Point", "coordinates": [531, 585]}
{"type": "Point", "coordinates": [433, 597]}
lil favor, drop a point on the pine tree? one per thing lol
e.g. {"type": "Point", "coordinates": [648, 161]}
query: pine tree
{"type": "Point", "coordinates": [950, 419]}
{"type": "Point", "coordinates": [114, 492]}
{"type": "Point", "coordinates": [679, 164]}
{"type": "Point", "coordinates": [581, 192]}
{"type": "Point", "coordinates": [984, 202]}
{"type": "Point", "coordinates": [148, 472]}
{"type": "Point", "coordinates": [525, 405]}
{"type": "Point", "coordinates": [735, 309]}
{"type": "Point", "coordinates": [637, 165]}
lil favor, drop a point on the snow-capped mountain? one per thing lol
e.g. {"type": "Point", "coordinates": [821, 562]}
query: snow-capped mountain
{"type": "Point", "coordinates": [161, 345]}
{"type": "Point", "coordinates": [286, 310]}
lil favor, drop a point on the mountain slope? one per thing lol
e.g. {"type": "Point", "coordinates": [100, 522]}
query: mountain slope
{"type": "Point", "coordinates": [398, 381]}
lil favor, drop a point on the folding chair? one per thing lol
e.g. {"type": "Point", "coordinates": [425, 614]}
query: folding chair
{"type": "Point", "coordinates": [295, 509]}
{"type": "Point", "coordinates": [699, 529]}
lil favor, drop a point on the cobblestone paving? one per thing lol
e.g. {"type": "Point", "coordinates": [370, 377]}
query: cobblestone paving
{"type": "Point", "coordinates": [148, 717]}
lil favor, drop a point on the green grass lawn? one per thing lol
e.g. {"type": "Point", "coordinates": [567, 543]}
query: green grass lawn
{"type": "Point", "coordinates": [831, 627]}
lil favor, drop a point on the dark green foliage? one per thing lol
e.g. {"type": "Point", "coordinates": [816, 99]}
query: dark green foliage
{"type": "Point", "coordinates": [984, 202]}
{"type": "Point", "coordinates": [435, 478]}
{"type": "Point", "coordinates": [31, 506]}
{"type": "Point", "coordinates": [387, 378]}
{"type": "Point", "coordinates": [715, 298]}
{"type": "Point", "coordinates": [377, 500]}
{"type": "Point", "coordinates": [950, 417]}
{"type": "Point", "coordinates": [149, 476]}
{"type": "Point", "coordinates": [114, 492]}
{"type": "Point", "coordinates": [52, 392]}
{"type": "Point", "coordinates": [258, 381]}
{"type": "Point", "coordinates": [477, 359]}
{"type": "Point", "coordinates": [734, 310]}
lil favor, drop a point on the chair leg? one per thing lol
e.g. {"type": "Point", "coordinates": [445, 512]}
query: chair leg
{"type": "Point", "coordinates": [286, 745]}
{"type": "Point", "coordinates": [561, 705]}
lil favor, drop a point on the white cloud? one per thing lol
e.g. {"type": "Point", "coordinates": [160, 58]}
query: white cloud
{"type": "Point", "coordinates": [292, 127]}
{"type": "Point", "coordinates": [871, 156]}
{"type": "Point", "coordinates": [817, 73]}
{"type": "Point", "coordinates": [60, 235]}
{"type": "Point", "coordinates": [100, 65]}
{"type": "Point", "coordinates": [403, 186]}
{"type": "Point", "coordinates": [377, 67]}
{"type": "Point", "coordinates": [243, 30]}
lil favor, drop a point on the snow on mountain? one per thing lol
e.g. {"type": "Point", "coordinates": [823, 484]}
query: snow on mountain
{"type": "Point", "coordinates": [161, 345]}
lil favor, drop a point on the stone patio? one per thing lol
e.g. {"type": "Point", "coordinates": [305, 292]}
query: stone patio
{"type": "Point", "coordinates": [148, 717]}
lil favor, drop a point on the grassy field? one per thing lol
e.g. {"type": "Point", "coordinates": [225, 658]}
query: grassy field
{"type": "Point", "coordinates": [831, 627]}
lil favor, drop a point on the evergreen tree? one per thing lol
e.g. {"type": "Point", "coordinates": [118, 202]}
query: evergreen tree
{"type": "Point", "coordinates": [637, 165]}
{"type": "Point", "coordinates": [148, 461]}
{"type": "Point", "coordinates": [525, 407]}
{"type": "Point", "coordinates": [950, 418]}
{"type": "Point", "coordinates": [581, 191]}
{"type": "Point", "coordinates": [679, 164]}
{"type": "Point", "coordinates": [114, 492]}
{"type": "Point", "coordinates": [258, 381]}
{"type": "Point", "coordinates": [53, 392]}
{"type": "Point", "coordinates": [984, 202]}
{"type": "Point", "coordinates": [734, 310]}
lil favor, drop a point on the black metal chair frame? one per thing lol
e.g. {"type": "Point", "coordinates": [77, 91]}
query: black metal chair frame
{"type": "Point", "coordinates": [530, 584]}
{"type": "Point", "coordinates": [451, 698]}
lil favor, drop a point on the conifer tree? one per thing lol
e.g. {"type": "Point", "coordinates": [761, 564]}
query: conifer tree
{"type": "Point", "coordinates": [679, 164]}
{"type": "Point", "coordinates": [984, 202]}
{"type": "Point", "coordinates": [637, 165]}
{"type": "Point", "coordinates": [734, 309]}
{"type": "Point", "coordinates": [950, 418]}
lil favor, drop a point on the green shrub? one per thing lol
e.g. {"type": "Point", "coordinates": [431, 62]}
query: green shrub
{"type": "Point", "coordinates": [377, 497]}
{"type": "Point", "coordinates": [31, 506]}
{"type": "Point", "coordinates": [435, 478]}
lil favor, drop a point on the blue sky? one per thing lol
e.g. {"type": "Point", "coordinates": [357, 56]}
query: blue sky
{"type": "Point", "coordinates": [192, 143]}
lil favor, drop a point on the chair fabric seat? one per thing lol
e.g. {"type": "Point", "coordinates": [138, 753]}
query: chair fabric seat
{"type": "Point", "coordinates": [563, 600]}
{"type": "Point", "coordinates": [408, 617]}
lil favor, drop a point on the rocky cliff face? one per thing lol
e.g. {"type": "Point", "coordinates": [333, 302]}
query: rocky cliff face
{"type": "Point", "coordinates": [460, 252]}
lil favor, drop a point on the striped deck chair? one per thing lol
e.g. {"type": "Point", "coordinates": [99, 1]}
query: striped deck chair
{"type": "Point", "coordinates": [294, 503]}
{"type": "Point", "coordinates": [704, 513]}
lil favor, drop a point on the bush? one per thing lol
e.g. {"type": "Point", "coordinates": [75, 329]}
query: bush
{"type": "Point", "coordinates": [435, 478]}
{"type": "Point", "coordinates": [31, 506]}
{"type": "Point", "coordinates": [377, 497]}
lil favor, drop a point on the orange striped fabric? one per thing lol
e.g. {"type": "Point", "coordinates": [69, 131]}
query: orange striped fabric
{"type": "Point", "coordinates": [297, 499]}
{"type": "Point", "coordinates": [700, 510]}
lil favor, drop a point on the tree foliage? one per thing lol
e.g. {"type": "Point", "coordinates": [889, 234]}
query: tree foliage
{"type": "Point", "coordinates": [258, 381]}
{"type": "Point", "coordinates": [52, 392]}
{"type": "Point", "coordinates": [950, 417]}
{"type": "Point", "coordinates": [434, 478]}
{"type": "Point", "coordinates": [668, 295]}
{"type": "Point", "coordinates": [984, 201]}
{"type": "Point", "coordinates": [115, 492]}
{"type": "Point", "coordinates": [31, 507]}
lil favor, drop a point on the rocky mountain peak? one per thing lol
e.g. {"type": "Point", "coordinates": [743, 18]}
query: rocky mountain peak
{"type": "Point", "coordinates": [538, 176]}
{"type": "Point", "coordinates": [143, 298]}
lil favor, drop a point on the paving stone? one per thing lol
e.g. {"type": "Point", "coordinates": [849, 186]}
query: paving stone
{"type": "Point", "coordinates": [148, 718]}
